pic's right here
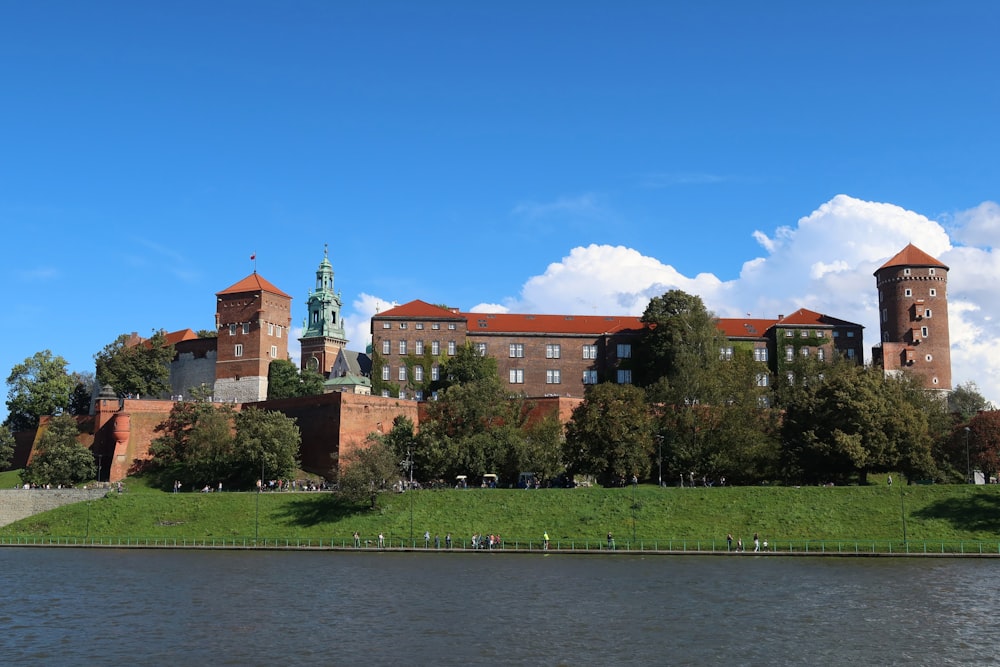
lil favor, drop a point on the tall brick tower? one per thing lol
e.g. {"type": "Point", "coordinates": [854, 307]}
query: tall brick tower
{"type": "Point", "coordinates": [253, 318]}
{"type": "Point", "coordinates": [323, 331]}
{"type": "Point", "coordinates": [913, 318]}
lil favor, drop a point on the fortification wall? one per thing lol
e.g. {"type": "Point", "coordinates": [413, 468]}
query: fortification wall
{"type": "Point", "coordinates": [17, 504]}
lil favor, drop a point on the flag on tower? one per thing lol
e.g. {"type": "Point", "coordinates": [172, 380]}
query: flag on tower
{"type": "Point", "coordinates": [253, 256]}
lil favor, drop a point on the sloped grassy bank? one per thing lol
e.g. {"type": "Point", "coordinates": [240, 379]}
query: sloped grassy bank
{"type": "Point", "coordinates": [937, 513]}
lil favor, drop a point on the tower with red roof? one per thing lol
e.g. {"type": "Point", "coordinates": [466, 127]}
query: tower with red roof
{"type": "Point", "coordinates": [913, 318]}
{"type": "Point", "coordinates": [253, 319]}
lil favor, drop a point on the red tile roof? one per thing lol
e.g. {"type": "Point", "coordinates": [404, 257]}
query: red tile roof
{"type": "Point", "coordinates": [420, 308]}
{"type": "Point", "coordinates": [911, 255]}
{"type": "Point", "coordinates": [558, 324]}
{"type": "Point", "coordinates": [805, 317]}
{"type": "Point", "coordinates": [253, 283]}
{"type": "Point", "coordinates": [738, 327]}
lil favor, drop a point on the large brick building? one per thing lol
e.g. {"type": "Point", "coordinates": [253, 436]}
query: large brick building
{"type": "Point", "coordinates": [913, 318]}
{"type": "Point", "coordinates": [560, 355]}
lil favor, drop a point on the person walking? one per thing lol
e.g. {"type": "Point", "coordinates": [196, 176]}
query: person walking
{"type": "Point", "coordinates": [729, 542]}
{"type": "Point", "coordinates": [756, 542]}
{"type": "Point", "coordinates": [447, 541]}
{"type": "Point", "coordinates": [427, 539]}
{"type": "Point", "coordinates": [611, 541]}
{"type": "Point", "coordinates": [545, 540]}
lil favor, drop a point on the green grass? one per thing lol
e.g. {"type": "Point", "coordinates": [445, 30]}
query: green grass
{"type": "Point", "coordinates": [943, 513]}
{"type": "Point", "coordinates": [10, 479]}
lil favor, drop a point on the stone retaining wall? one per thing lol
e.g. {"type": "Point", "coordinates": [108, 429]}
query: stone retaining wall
{"type": "Point", "coordinates": [17, 504]}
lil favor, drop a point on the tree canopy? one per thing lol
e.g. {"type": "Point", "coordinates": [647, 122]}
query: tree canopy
{"type": "Point", "coordinates": [6, 447]}
{"type": "Point", "coordinates": [141, 369]}
{"type": "Point", "coordinates": [37, 387]}
{"type": "Point", "coordinates": [284, 380]}
{"type": "Point", "coordinates": [60, 459]}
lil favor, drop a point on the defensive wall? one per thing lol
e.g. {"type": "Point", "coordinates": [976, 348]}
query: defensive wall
{"type": "Point", "coordinates": [17, 504]}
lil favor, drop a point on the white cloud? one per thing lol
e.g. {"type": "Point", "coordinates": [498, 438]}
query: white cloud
{"type": "Point", "coordinates": [357, 323]}
{"type": "Point", "coordinates": [825, 263]}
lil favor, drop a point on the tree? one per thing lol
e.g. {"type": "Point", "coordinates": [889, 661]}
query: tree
{"type": "Point", "coordinates": [6, 447]}
{"type": "Point", "coordinates": [142, 368]}
{"type": "Point", "coordinates": [466, 366]}
{"type": "Point", "coordinates": [368, 471]}
{"type": "Point", "coordinates": [285, 381]}
{"type": "Point", "coordinates": [60, 459]}
{"type": "Point", "coordinates": [981, 443]}
{"type": "Point", "coordinates": [681, 343]}
{"type": "Point", "coordinates": [37, 387]}
{"type": "Point", "coordinates": [610, 434]}
{"type": "Point", "coordinates": [266, 440]}
{"type": "Point", "coordinates": [82, 395]}
{"type": "Point", "coordinates": [965, 401]}
{"type": "Point", "coordinates": [196, 445]}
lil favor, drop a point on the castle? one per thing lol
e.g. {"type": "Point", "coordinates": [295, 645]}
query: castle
{"type": "Point", "coordinates": [551, 358]}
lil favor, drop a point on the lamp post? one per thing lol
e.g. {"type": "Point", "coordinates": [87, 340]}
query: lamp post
{"type": "Point", "coordinates": [902, 512]}
{"type": "Point", "coordinates": [408, 464]}
{"type": "Point", "coordinates": [100, 467]}
{"type": "Point", "coordinates": [260, 487]}
{"type": "Point", "coordinates": [968, 466]}
{"type": "Point", "coordinates": [659, 459]}
{"type": "Point", "coordinates": [635, 484]}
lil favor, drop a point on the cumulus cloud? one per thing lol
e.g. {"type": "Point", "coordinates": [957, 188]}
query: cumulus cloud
{"type": "Point", "coordinates": [357, 322]}
{"type": "Point", "coordinates": [825, 262]}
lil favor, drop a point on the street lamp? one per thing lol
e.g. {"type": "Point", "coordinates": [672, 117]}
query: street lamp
{"type": "Point", "coordinates": [968, 466]}
{"type": "Point", "coordinates": [260, 487]}
{"type": "Point", "coordinates": [100, 467]}
{"type": "Point", "coordinates": [635, 484]}
{"type": "Point", "coordinates": [408, 464]}
{"type": "Point", "coordinates": [659, 459]}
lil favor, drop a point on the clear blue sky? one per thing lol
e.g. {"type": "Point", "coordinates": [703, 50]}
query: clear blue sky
{"type": "Point", "coordinates": [534, 156]}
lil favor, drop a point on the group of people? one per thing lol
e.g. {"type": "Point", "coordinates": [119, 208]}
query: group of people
{"type": "Point", "coordinates": [380, 541]}
{"type": "Point", "coordinates": [758, 545]}
{"type": "Point", "coordinates": [485, 541]}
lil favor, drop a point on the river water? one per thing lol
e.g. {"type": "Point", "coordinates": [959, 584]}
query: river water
{"type": "Point", "coordinates": [70, 606]}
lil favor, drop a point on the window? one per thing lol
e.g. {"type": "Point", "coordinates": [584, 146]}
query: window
{"type": "Point", "coordinates": [246, 327]}
{"type": "Point", "coordinates": [386, 325]}
{"type": "Point", "coordinates": [762, 379]}
{"type": "Point", "coordinates": [451, 348]}
{"type": "Point", "coordinates": [930, 271]}
{"type": "Point", "coordinates": [238, 350]}
{"type": "Point", "coordinates": [850, 334]}
{"type": "Point", "coordinates": [790, 376]}
{"type": "Point", "coordinates": [725, 353]}
{"type": "Point", "coordinates": [923, 332]}
{"type": "Point", "coordinates": [552, 377]}
{"type": "Point", "coordinates": [419, 395]}
{"type": "Point", "coordinates": [789, 353]}
{"type": "Point", "coordinates": [402, 394]}
{"type": "Point", "coordinates": [274, 351]}
{"type": "Point", "coordinates": [270, 328]}
{"type": "Point", "coordinates": [885, 315]}
{"type": "Point", "coordinates": [279, 332]}
{"type": "Point", "coordinates": [625, 352]}
{"type": "Point", "coordinates": [804, 334]}
{"type": "Point", "coordinates": [820, 334]}
{"type": "Point", "coordinates": [435, 326]}
{"type": "Point", "coordinates": [907, 292]}
{"type": "Point", "coordinates": [403, 325]}
{"type": "Point", "coordinates": [481, 349]}
{"type": "Point", "coordinates": [451, 326]}
{"type": "Point", "coordinates": [402, 347]}
{"type": "Point", "coordinates": [590, 377]}
{"type": "Point", "coordinates": [386, 347]}
{"type": "Point", "coordinates": [624, 376]}
{"type": "Point", "coordinates": [402, 373]}
{"type": "Point", "coordinates": [589, 351]}
{"type": "Point", "coordinates": [789, 333]}
{"type": "Point", "coordinates": [232, 329]}
{"type": "Point", "coordinates": [804, 352]}
{"type": "Point", "coordinates": [927, 312]}
{"type": "Point", "coordinates": [821, 354]}
{"type": "Point", "coordinates": [760, 354]}
{"type": "Point", "coordinates": [552, 351]}
{"type": "Point", "coordinates": [517, 376]}
{"type": "Point", "coordinates": [385, 393]}
{"type": "Point", "coordinates": [933, 292]}
{"type": "Point", "coordinates": [880, 296]}
{"type": "Point", "coordinates": [385, 373]}
{"type": "Point", "coordinates": [929, 358]}
{"type": "Point", "coordinates": [419, 326]}
{"type": "Point", "coordinates": [435, 347]}
{"type": "Point", "coordinates": [850, 353]}
{"type": "Point", "coordinates": [906, 272]}
{"type": "Point", "coordinates": [516, 350]}
{"type": "Point", "coordinates": [435, 373]}
{"type": "Point", "coordinates": [418, 373]}
{"type": "Point", "coordinates": [418, 347]}
{"type": "Point", "coordinates": [836, 334]}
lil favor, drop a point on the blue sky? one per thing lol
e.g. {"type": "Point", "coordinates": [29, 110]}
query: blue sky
{"type": "Point", "coordinates": [568, 157]}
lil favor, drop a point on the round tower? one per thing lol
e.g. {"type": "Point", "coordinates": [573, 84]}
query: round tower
{"type": "Point", "coordinates": [913, 318]}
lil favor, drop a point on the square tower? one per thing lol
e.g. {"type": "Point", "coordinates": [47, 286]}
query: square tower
{"type": "Point", "coordinates": [253, 319]}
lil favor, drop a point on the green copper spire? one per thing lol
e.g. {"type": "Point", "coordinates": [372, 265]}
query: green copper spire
{"type": "Point", "coordinates": [324, 305]}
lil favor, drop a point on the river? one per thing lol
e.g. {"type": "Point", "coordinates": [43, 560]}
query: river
{"type": "Point", "coordinates": [72, 606]}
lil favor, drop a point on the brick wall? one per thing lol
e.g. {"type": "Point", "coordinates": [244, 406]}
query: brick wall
{"type": "Point", "coordinates": [17, 504]}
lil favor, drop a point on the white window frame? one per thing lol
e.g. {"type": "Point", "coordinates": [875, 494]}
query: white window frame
{"type": "Point", "coordinates": [552, 351]}
{"type": "Point", "coordinates": [418, 373]}
{"type": "Point", "coordinates": [386, 346]}
{"type": "Point", "coordinates": [553, 376]}
{"type": "Point", "coordinates": [590, 377]}
{"type": "Point", "coordinates": [238, 350]}
{"type": "Point", "coordinates": [402, 347]}
{"type": "Point", "coordinates": [516, 376]}
{"type": "Point", "coordinates": [590, 352]}
{"type": "Point", "coordinates": [274, 351]}
{"type": "Point", "coordinates": [625, 352]}
{"type": "Point", "coordinates": [401, 375]}
{"type": "Point", "coordinates": [516, 351]}
{"type": "Point", "coordinates": [624, 376]}
{"type": "Point", "coordinates": [246, 327]}
{"type": "Point", "coordinates": [451, 348]}
{"type": "Point", "coordinates": [386, 372]}
{"type": "Point", "coordinates": [232, 329]}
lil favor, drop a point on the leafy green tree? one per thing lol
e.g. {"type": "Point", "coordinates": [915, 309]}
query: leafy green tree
{"type": "Point", "coordinates": [965, 400]}
{"type": "Point", "coordinates": [196, 445]}
{"type": "Point", "coordinates": [681, 342]}
{"type": "Point", "coordinates": [141, 369]}
{"type": "Point", "coordinates": [266, 440]}
{"type": "Point", "coordinates": [83, 392]}
{"type": "Point", "coordinates": [37, 387]}
{"type": "Point", "coordinates": [60, 459]}
{"type": "Point", "coordinates": [285, 381]}
{"type": "Point", "coordinates": [610, 434]}
{"type": "Point", "coordinates": [539, 450]}
{"type": "Point", "coordinates": [858, 421]}
{"type": "Point", "coordinates": [6, 447]}
{"type": "Point", "coordinates": [468, 366]}
{"type": "Point", "coordinates": [368, 471]}
{"type": "Point", "coordinates": [979, 447]}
